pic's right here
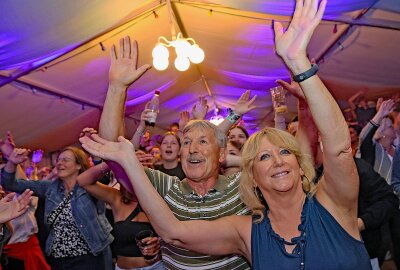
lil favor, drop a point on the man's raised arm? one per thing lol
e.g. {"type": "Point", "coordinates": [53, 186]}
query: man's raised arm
{"type": "Point", "coordinates": [123, 72]}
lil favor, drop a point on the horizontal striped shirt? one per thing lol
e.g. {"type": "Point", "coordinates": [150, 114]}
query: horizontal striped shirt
{"type": "Point", "coordinates": [222, 200]}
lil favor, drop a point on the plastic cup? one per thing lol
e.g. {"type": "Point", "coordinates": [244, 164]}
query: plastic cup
{"type": "Point", "coordinates": [140, 236]}
{"type": "Point", "coordinates": [278, 95]}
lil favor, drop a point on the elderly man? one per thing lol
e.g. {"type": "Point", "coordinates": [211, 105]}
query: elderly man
{"type": "Point", "coordinates": [204, 194]}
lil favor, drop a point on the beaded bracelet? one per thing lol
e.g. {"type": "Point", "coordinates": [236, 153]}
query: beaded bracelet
{"type": "Point", "coordinates": [232, 117]}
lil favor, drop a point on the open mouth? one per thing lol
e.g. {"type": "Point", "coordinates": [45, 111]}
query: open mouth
{"type": "Point", "coordinates": [194, 161]}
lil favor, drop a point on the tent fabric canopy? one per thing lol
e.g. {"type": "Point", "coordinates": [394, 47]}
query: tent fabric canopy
{"type": "Point", "coordinates": [54, 73]}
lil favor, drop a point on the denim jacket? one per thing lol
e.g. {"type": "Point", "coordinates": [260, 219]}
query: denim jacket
{"type": "Point", "coordinates": [88, 213]}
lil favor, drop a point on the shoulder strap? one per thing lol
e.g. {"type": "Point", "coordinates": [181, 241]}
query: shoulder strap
{"type": "Point", "coordinates": [57, 211]}
{"type": "Point", "coordinates": [134, 213]}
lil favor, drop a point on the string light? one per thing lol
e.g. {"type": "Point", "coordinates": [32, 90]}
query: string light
{"type": "Point", "coordinates": [210, 12]}
{"type": "Point", "coordinates": [83, 107]}
{"type": "Point", "coordinates": [186, 50]}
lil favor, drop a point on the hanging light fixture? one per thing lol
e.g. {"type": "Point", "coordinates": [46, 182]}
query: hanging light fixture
{"type": "Point", "coordinates": [186, 51]}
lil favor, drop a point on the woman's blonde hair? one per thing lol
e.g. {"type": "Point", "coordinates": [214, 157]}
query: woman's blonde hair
{"type": "Point", "coordinates": [249, 193]}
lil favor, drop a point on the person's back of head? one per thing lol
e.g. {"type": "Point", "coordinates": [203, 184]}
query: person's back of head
{"type": "Point", "coordinates": [174, 127]}
{"type": "Point", "coordinates": [363, 102]}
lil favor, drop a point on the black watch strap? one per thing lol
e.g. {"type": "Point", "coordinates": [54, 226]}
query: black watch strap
{"type": "Point", "coordinates": [306, 74]}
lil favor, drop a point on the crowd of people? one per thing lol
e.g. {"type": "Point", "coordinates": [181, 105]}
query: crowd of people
{"type": "Point", "coordinates": [309, 194]}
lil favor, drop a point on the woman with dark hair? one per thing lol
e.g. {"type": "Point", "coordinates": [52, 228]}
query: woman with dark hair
{"type": "Point", "coordinates": [79, 232]}
{"type": "Point", "coordinates": [170, 164]}
{"type": "Point", "coordinates": [129, 220]}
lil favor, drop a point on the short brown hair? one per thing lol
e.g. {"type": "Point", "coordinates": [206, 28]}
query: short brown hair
{"type": "Point", "coordinates": [80, 157]}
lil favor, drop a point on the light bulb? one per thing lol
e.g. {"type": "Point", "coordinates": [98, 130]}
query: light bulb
{"type": "Point", "coordinates": [160, 63]}
{"type": "Point", "coordinates": [182, 63]}
{"type": "Point", "coordinates": [196, 55]}
{"type": "Point", "coordinates": [182, 47]}
{"type": "Point", "coordinates": [160, 51]}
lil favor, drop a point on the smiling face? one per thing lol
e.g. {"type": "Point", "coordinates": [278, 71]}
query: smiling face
{"type": "Point", "coordinates": [276, 169]}
{"type": "Point", "coordinates": [273, 162]}
{"type": "Point", "coordinates": [170, 148]}
{"type": "Point", "coordinates": [200, 154]}
{"type": "Point", "coordinates": [66, 165]}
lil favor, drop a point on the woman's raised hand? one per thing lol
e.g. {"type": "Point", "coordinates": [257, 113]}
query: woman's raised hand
{"type": "Point", "coordinates": [291, 44]}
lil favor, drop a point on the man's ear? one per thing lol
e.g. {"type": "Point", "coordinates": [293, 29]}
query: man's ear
{"type": "Point", "coordinates": [223, 152]}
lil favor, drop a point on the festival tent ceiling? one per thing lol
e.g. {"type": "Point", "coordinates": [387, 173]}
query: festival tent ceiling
{"type": "Point", "coordinates": [54, 59]}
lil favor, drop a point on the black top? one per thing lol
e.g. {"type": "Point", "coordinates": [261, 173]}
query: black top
{"type": "Point", "coordinates": [124, 233]}
{"type": "Point", "coordinates": [177, 171]}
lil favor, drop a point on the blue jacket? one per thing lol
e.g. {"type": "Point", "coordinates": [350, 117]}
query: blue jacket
{"type": "Point", "coordinates": [87, 212]}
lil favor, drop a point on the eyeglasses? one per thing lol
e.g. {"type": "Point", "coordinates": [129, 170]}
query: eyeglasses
{"type": "Point", "coordinates": [63, 160]}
